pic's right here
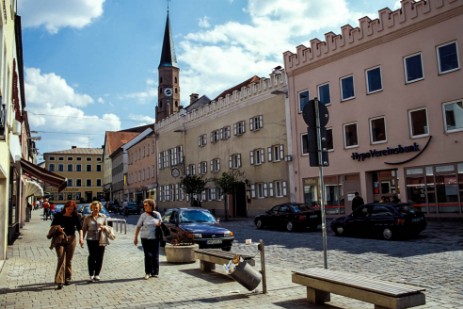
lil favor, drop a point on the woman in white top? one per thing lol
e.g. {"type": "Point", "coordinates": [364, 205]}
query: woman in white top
{"type": "Point", "coordinates": [147, 224]}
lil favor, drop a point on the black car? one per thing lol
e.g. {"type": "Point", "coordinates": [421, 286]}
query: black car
{"type": "Point", "coordinates": [200, 225]}
{"type": "Point", "coordinates": [290, 216]}
{"type": "Point", "coordinates": [130, 209]}
{"type": "Point", "coordinates": [384, 220]}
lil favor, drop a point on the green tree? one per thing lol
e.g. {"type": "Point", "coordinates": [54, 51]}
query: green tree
{"type": "Point", "coordinates": [193, 184]}
{"type": "Point", "coordinates": [227, 184]}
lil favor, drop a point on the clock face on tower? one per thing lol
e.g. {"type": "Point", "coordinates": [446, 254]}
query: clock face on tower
{"type": "Point", "coordinates": [168, 92]}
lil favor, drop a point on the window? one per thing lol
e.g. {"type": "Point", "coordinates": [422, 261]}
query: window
{"type": "Point", "coordinates": [234, 161]}
{"type": "Point", "coordinates": [89, 167]}
{"type": "Point", "coordinates": [70, 158]}
{"type": "Point", "coordinates": [89, 182]}
{"type": "Point", "coordinates": [225, 133]}
{"type": "Point", "coordinates": [215, 136]}
{"type": "Point", "coordinates": [256, 123]}
{"type": "Point", "coordinates": [279, 188]}
{"type": "Point", "coordinates": [447, 56]}
{"type": "Point", "coordinates": [257, 156]}
{"type": "Point", "coordinates": [329, 139]}
{"type": "Point", "coordinates": [69, 182]}
{"type": "Point", "coordinates": [276, 153]}
{"type": "Point", "coordinates": [303, 99]}
{"type": "Point", "coordinates": [98, 159]}
{"type": "Point", "coordinates": [203, 167]}
{"type": "Point", "coordinates": [60, 168]}
{"type": "Point", "coordinates": [453, 116]}
{"type": "Point", "coordinates": [261, 190]}
{"type": "Point", "coordinates": [215, 165]}
{"type": "Point", "coordinates": [51, 168]}
{"type": "Point", "coordinates": [78, 167]}
{"type": "Point", "coordinates": [350, 135]}
{"type": "Point", "coordinates": [239, 128]}
{"type": "Point", "coordinates": [79, 159]}
{"type": "Point", "coordinates": [52, 158]}
{"type": "Point", "coordinates": [89, 159]}
{"type": "Point", "coordinates": [202, 141]}
{"type": "Point", "coordinates": [60, 158]}
{"type": "Point", "coordinates": [69, 167]}
{"type": "Point", "coordinates": [98, 167]}
{"type": "Point", "coordinates": [347, 88]}
{"type": "Point", "coordinates": [373, 78]}
{"type": "Point", "coordinates": [413, 68]}
{"type": "Point", "coordinates": [378, 130]}
{"type": "Point", "coordinates": [418, 120]}
{"type": "Point", "coordinates": [191, 170]}
{"type": "Point", "coordinates": [324, 94]}
{"type": "Point", "coordinates": [78, 182]}
{"type": "Point", "coordinates": [98, 182]}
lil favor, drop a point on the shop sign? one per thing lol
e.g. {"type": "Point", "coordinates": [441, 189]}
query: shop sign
{"type": "Point", "coordinates": [385, 152]}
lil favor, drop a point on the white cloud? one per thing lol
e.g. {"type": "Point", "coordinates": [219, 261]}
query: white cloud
{"type": "Point", "coordinates": [55, 107]}
{"type": "Point", "coordinates": [54, 15]}
{"type": "Point", "coordinates": [204, 22]}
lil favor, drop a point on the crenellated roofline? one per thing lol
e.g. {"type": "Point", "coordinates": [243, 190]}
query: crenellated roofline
{"type": "Point", "coordinates": [390, 24]}
{"type": "Point", "coordinates": [275, 84]}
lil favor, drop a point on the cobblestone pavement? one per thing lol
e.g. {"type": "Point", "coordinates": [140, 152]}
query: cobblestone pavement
{"type": "Point", "coordinates": [433, 261]}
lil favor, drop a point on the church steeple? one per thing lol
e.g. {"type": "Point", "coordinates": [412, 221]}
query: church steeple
{"type": "Point", "coordinates": [169, 83]}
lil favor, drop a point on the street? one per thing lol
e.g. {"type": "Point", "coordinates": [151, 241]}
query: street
{"type": "Point", "coordinates": [433, 261]}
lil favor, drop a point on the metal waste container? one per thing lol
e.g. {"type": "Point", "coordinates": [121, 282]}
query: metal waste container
{"type": "Point", "coordinates": [246, 275]}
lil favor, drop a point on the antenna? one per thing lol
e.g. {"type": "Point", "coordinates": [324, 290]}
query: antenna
{"type": "Point", "coordinates": [167, 6]}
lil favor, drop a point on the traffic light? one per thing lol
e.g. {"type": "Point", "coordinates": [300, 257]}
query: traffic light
{"type": "Point", "coordinates": [316, 131]}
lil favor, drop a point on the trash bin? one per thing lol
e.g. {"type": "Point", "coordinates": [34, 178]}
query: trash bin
{"type": "Point", "coordinates": [246, 275]}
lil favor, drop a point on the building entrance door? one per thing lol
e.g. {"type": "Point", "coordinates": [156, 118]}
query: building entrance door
{"type": "Point", "coordinates": [385, 185]}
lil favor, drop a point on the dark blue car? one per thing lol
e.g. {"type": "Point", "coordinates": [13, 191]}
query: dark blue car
{"type": "Point", "coordinates": [198, 225]}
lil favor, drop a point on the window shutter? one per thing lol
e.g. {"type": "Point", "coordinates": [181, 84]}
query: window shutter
{"type": "Point", "coordinates": [253, 191]}
{"type": "Point", "coordinates": [159, 160]}
{"type": "Point", "coordinates": [262, 155]}
{"type": "Point", "coordinates": [282, 152]}
{"type": "Point", "coordinates": [270, 189]}
{"type": "Point", "coordinates": [230, 161]}
{"type": "Point", "coordinates": [251, 124]}
{"type": "Point", "coordinates": [265, 190]}
{"type": "Point", "coordinates": [261, 121]}
{"type": "Point", "coordinates": [269, 153]}
{"type": "Point", "coordinates": [235, 128]}
{"type": "Point", "coordinates": [251, 157]}
{"type": "Point", "coordinates": [239, 160]}
{"type": "Point", "coordinates": [283, 183]}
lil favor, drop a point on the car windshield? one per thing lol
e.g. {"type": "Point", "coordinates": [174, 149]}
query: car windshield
{"type": "Point", "coordinates": [299, 208]}
{"type": "Point", "coordinates": [406, 209]}
{"type": "Point", "coordinates": [196, 216]}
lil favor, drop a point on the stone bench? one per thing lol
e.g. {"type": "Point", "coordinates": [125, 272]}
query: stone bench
{"type": "Point", "coordinates": [321, 282]}
{"type": "Point", "coordinates": [210, 257]}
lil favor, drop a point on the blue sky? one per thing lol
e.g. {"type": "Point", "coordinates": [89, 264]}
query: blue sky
{"type": "Point", "coordinates": [91, 65]}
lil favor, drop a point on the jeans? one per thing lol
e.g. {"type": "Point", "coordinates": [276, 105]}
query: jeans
{"type": "Point", "coordinates": [95, 257]}
{"type": "Point", "coordinates": [151, 250]}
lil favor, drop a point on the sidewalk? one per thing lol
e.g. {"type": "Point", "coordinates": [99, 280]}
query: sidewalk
{"type": "Point", "coordinates": [26, 280]}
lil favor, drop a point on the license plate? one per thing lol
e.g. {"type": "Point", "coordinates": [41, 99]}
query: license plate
{"type": "Point", "coordinates": [313, 216]}
{"type": "Point", "coordinates": [416, 219]}
{"type": "Point", "coordinates": [214, 241]}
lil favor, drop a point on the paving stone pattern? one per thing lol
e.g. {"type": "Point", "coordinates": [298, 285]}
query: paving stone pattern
{"type": "Point", "coordinates": [433, 261]}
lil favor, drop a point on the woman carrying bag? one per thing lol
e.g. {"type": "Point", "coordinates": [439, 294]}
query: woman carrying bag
{"type": "Point", "coordinates": [63, 229]}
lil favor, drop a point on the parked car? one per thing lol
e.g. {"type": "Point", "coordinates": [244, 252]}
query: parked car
{"type": "Point", "coordinates": [131, 209]}
{"type": "Point", "coordinates": [58, 208]}
{"type": "Point", "coordinates": [84, 210]}
{"type": "Point", "coordinates": [290, 216]}
{"type": "Point", "coordinates": [385, 220]}
{"type": "Point", "coordinates": [201, 225]}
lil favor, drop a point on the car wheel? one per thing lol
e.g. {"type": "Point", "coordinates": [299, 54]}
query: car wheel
{"type": "Point", "coordinates": [289, 226]}
{"type": "Point", "coordinates": [339, 230]}
{"type": "Point", "coordinates": [387, 234]}
{"type": "Point", "coordinates": [259, 224]}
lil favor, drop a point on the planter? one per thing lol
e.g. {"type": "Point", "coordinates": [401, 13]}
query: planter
{"type": "Point", "coordinates": [180, 254]}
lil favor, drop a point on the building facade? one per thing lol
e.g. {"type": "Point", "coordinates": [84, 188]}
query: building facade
{"type": "Point", "coordinates": [242, 133]}
{"type": "Point", "coordinates": [83, 170]}
{"type": "Point", "coordinates": [392, 87]}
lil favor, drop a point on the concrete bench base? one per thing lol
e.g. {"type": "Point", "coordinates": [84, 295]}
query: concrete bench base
{"type": "Point", "coordinates": [321, 282]}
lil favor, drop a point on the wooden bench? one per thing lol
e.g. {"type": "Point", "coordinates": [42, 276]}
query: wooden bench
{"type": "Point", "coordinates": [320, 282]}
{"type": "Point", "coordinates": [210, 257]}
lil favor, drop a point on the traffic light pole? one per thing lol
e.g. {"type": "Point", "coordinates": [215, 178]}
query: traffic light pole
{"type": "Point", "coordinates": [322, 183]}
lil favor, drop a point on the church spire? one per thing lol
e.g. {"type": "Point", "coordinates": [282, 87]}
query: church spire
{"type": "Point", "coordinates": [168, 57]}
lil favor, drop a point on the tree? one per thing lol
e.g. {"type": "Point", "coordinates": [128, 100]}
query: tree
{"type": "Point", "coordinates": [193, 184]}
{"type": "Point", "coordinates": [226, 183]}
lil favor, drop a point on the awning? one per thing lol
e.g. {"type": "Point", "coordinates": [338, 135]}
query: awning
{"type": "Point", "coordinates": [44, 175]}
{"type": "Point", "coordinates": [32, 188]}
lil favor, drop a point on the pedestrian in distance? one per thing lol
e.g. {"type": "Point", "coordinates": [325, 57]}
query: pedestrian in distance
{"type": "Point", "coordinates": [146, 227]}
{"type": "Point", "coordinates": [63, 229]}
{"type": "Point", "coordinates": [46, 209]}
{"type": "Point", "coordinates": [357, 201]}
{"type": "Point", "coordinates": [93, 225]}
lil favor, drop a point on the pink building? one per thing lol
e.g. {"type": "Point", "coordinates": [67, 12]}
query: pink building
{"type": "Point", "coordinates": [393, 87]}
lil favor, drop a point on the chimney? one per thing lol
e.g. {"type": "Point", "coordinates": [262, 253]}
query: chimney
{"type": "Point", "coordinates": [193, 97]}
{"type": "Point", "coordinates": [73, 147]}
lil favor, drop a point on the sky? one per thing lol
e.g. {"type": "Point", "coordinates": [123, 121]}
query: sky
{"type": "Point", "coordinates": [91, 65]}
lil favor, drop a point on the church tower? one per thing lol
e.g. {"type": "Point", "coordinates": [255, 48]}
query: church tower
{"type": "Point", "coordinates": [169, 83]}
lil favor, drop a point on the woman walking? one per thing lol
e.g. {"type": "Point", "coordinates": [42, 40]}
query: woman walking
{"type": "Point", "coordinates": [94, 224]}
{"type": "Point", "coordinates": [147, 224]}
{"type": "Point", "coordinates": [63, 229]}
